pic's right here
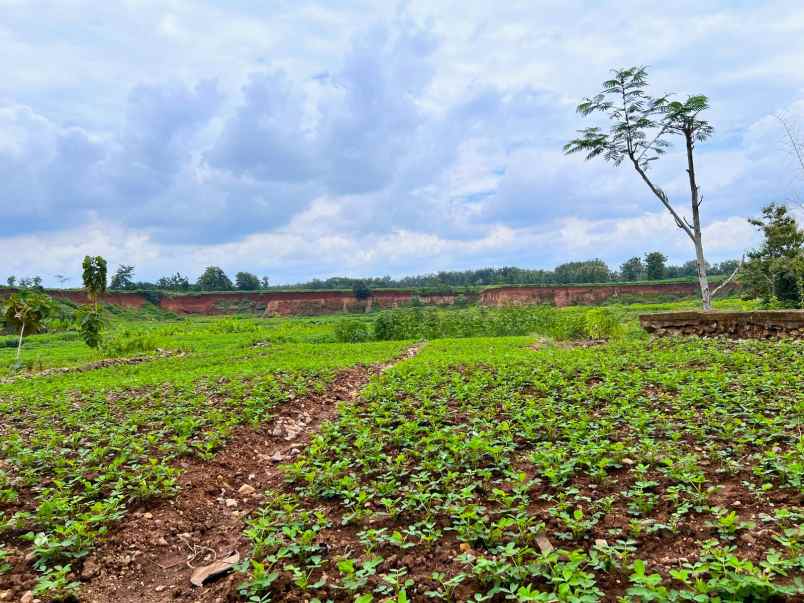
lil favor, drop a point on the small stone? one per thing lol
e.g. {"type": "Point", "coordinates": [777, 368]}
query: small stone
{"type": "Point", "coordinates": [545, 546]}
{"type": "Point", "coordinates": [160, 588]}
{"type": "Point", "coordinates": [148, 515]}
{"type": "Point", "coordinates": [5, 595]}
{"type": "Point", "coordinates": [90, 570]}
{"type": "Point", "coordinates": [736, 503]}
{"type": "Point", "coordinates": [601, 542]}
{"type": "Point", "coordinates": [27, 597]}
{"type": "Point", "coordinates": [277, 456]}
{"type": "Point", "coordinates": [246, 489]}
{"type": "Point", "coordinates": [627, 461]}
{"type": "Point", "coordinates": [230, 502]}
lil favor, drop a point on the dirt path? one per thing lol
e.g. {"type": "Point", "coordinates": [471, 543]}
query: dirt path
{"type": "Point", "coordinates": [145, 560]}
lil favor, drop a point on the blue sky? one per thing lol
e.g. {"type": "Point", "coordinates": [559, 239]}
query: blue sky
{"type": "Point", "coordinates": [301, 139]}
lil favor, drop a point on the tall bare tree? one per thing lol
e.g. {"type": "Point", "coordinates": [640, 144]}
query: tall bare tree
{"type": "Point", "coordinates": [794, 140]}
{"type": "Point", "coordinates": [640, 128]}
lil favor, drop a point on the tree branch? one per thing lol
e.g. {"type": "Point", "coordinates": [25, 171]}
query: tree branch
{"type": "Point", "coordinates": [662, 197]}
{"type": "Point", "coordinates": [731, 278]}
{"type": "Point", "coordinates": [793, 142]}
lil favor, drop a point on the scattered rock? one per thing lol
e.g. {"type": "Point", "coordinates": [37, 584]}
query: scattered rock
{"type": "Point", "coordinates": [148, 515]}
{"type": "Point", "coordinates": [90, 570]}
{"type": "Point", "coordinates": [601, 542]}
{"type": "Point", "coordinates": [246, 489]}
{"type": "Point", "coordinates": [160, 588]}
{"type": "Point", "coordinates": [202, 574]}
{"type": "Point", "coordinates": [230, 502]}
{"type": "Point", "coordinates": [545, 546]}
{"type": "Point", "coordinates": [27, 597]}
{"type": "Point", "coordinates": [277, 456]}
{"type": "Point", "coordinates": [627, 461]}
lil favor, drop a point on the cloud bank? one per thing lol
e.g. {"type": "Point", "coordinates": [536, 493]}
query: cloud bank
{"type": "Point", "coordinates": [310, 140]}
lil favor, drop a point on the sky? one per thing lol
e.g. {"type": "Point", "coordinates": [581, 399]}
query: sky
{"type": "Point", "coordinates": [298, 139]}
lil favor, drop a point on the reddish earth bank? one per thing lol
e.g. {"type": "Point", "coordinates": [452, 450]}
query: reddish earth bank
{"type": "Point", "coordinates": [286, 303]}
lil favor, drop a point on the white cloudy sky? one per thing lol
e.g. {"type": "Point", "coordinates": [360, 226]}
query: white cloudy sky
{"type": "Point", "coordinates": [299, 139]}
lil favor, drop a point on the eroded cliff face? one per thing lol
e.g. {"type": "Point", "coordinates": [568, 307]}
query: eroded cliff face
{"type": "Point", "coordinates": [571, 295]}
{"type": "Point", "coordinates": [311, 303]}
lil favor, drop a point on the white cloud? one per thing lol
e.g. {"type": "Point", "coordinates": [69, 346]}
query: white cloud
{"type": "Point", "coordinates": [310, 138]}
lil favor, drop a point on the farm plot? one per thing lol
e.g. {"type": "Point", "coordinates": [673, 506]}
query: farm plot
{"type": "Point", "coordinates": [483, 470]}
{"type": "Point", "coordinates": [78, 449]}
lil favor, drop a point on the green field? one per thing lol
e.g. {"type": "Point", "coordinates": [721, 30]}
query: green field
{"type": "Point", "coordinates": [543, 464]}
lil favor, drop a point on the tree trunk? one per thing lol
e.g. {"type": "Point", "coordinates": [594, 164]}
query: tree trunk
{"type": "Point", "coordinates": [19, 344]}
{"type": "Point", "coordinates": [703, 281]}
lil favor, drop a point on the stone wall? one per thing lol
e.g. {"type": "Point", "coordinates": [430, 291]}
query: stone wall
{"type": "Point", "coordinates": [738, 325]}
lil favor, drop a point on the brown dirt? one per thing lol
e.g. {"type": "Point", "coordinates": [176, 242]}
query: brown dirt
{"type": "Point", "coordinates": [150, 554]}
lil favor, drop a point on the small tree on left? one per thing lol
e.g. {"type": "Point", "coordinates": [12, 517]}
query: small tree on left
{"type": "Point", "coordinates": [91, 319]}
{"type": "Point", "coordinates": [25, 312]}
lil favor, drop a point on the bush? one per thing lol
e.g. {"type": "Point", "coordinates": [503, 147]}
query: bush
{"type": "Point", "coordinates": [129, 342]}
{"type": "Point", "coordinates": [430, 323]}
{"type": "Point", "coordinates": [351, 331]}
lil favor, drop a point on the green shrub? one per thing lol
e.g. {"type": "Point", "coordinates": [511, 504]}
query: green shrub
{"type": "Point", "coordinates": [561, 324]}
{"type": "Point", "coordinates": [129, 342]}
{"type": "Point", "coordinates": [351, 331]}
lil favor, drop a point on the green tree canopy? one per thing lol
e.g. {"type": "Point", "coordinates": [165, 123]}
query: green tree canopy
{"type": "Point", "coordinates": [94, 277]}
{"type": "Point", "coordinates": [25, 312]}
{"type": "Point", "coordinates": [776, 268]}
{"type": "Point", "coordinates": [245, 281]}
{"type": "Point", "coordinates": [121, 279]}
{"type": "Point", "coordinates": [214, 279]}
{"type": "Point", "coordinates": [655, 268]}
{"type": "Point", "coordinates": [632, 269]}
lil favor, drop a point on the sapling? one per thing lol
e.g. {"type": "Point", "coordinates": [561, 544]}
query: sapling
{"type": "Point", "coordinates": [26, 312]}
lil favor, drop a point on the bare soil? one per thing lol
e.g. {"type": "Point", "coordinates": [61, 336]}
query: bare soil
{"type": "Point", "coordinates": [152, 553]}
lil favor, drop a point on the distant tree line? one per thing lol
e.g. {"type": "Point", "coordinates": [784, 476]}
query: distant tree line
{"type": "Point", "coordinates": [653, 266]}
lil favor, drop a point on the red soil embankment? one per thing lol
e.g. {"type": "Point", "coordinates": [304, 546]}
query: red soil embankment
{"type": "Point", "coordinates": [127, 300]}
{"type": "Point", "coordinates": [287, 303]}
{"type": "Point", "coordinates": [569, 295]}
{"type": "Point", "coordinates": [307, 303]}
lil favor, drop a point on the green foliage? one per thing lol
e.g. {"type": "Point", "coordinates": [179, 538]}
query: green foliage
{"type": "Point", "coordinates": [94, 277]}
{"type": "Point", "coordinates": [214, 279]}
{"type": "Point", "coordinates": [245, 281]}
{"type": "Point", "coordinates": [774, 271]}
{"type": "Point", "coordinates": [128, 342]}
{"type": "Point", "coordinates": [632, 269]}
{"type": "Point", "coordinates": [562, 324]}
{"type": "Point", "coordinates": [473, 452]}
{"type": "Point", "coordinates": [122, 278]}
{"type": "Point", "coordinates": [25, 312]}
{"type": "Point", "coordinates": [177, 282]}
{"type": "Point", "coordinates": [590, 271]}
{"type": "Point", "coordinates": [655, 268]}
{"type": "Point", "coordinates": [90, 326]}
{"type": "Point", "coordinates": [352, 331]}
{"type": "Point", "coordinates": [361, 290]}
